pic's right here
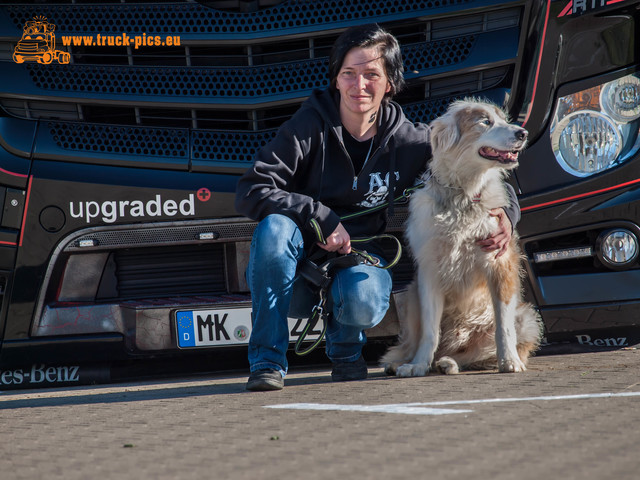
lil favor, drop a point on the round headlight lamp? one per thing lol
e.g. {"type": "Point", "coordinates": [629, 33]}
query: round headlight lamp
{"type": "Point", "coordinates": [597, 128]}
{"type": "Point", "coordinates": [620, 99]}
{"type": "Point", "coordinates": [617, 248]}
{"type": "Point", "coordinates": [586, 142]}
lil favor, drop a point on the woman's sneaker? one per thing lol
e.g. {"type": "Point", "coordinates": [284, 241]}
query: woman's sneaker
{"type": "Point", "coordinates": [347, 371]}
{"type": "Point", "coordinates": [265, 380]}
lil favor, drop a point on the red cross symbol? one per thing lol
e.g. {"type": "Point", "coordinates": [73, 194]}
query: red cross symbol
{"type": "Point", "coordinates": [204, 194]}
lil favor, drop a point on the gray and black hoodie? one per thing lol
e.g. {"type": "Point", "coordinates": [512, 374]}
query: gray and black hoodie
{"type": "Point", "coordinates": [306, 173]}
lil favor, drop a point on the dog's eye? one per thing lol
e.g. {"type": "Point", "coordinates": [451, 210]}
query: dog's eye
{"type": "Point", "coordinates": [486, 122]}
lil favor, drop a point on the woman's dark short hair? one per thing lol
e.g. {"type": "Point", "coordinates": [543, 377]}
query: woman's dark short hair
{"type": "Point", "coordinates": [367, 36]}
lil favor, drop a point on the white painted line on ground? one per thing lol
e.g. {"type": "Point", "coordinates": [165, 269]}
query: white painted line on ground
{"type": "Point", "coordinates": [400, 408]}
{"type": "Point", "coordinates": [427, 408]}
{"type": "Point", "coordinates": [582, 396]}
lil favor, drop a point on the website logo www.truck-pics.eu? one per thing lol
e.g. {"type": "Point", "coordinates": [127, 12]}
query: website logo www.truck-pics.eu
{"type": "Point", "coordinates": [38, 42]}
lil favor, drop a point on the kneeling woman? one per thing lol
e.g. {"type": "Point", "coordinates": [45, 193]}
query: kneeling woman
{"type": "Point", "coordinates": [342, 152]}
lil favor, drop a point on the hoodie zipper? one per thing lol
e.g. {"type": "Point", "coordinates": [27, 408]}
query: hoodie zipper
{"type": "Point", "coordinates": [354, 185]}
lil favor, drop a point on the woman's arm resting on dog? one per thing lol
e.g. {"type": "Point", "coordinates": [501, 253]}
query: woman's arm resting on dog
{"type": "Point", "coordinates": [507, 219]}
{"type": "Point", "coordinates": [500, 239]}
{"type": "Point", "coordinates": [513, 209]}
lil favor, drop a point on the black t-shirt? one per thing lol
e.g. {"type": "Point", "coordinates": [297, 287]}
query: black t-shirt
{"type": "Point", "coordinates": [358, 151]}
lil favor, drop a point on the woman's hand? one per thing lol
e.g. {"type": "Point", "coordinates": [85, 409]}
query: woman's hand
{"type": "Point", "coordinates": [498, 240]}
{"type": "Point", "coordinates": [339, 241]}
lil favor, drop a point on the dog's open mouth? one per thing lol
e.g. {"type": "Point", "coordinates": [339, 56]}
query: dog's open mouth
{"type": "Point", "coordinates": [502, 156]}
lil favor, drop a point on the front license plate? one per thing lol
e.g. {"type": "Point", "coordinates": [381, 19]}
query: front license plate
{"type": "Point", "coordinates": [230, 326]}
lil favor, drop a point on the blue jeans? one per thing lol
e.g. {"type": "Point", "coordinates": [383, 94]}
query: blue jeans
{"type": "Point", "coordinates": [358, 298]}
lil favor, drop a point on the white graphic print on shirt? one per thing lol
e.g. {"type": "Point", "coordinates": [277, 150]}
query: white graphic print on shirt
{"type": "Point", "coordinates": [378, 189]}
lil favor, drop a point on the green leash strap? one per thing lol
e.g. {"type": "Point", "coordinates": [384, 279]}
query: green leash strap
{"type": "Point", "coordinates": [319, 309]}
{"type": "Point", "coordinates": [375, 261]}
{"type": "Point", "coordinates": [317, 313]}
{"type": "Point", "coordinates": [406, 193]}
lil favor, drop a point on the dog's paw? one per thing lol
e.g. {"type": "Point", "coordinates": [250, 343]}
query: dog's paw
{"type": "Point", "coordinates": [390, 368]}
{"type": "Point", "coordinates": [448, 366]}
{"type": "Point", "coordinates": [511, 366]}
{"type": "Point", "coordinates": [412, 370]}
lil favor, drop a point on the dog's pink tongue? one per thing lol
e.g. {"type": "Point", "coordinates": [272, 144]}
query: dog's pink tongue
{"type": "Point", "coordinates": [501, 155]}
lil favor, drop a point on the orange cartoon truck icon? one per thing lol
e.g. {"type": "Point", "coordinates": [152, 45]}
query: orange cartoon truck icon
{"type": "Point", "coordinates": [38, 44]}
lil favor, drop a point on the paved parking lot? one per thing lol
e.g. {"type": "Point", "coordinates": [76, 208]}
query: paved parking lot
{"type": "Point", "coordinates": [572, 416]}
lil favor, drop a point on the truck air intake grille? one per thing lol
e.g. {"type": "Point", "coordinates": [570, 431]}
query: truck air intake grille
{"type": "Point", "coordinates": [437, 54]}
{"type": "Point", "coordinates": [195, 18]}
{"type": "Point", "coordinates": [120, 140]}
{"type": "Point", "coordinates": [236, 146]}
{"type": "Point", "coordinates": [243, 67]}
{"type": "Point", "coordinates": [229, 146]}
{"type": "Point", "coordinates": [166, 272]}
{"type": "Point", "coordinates": [196, 270]}
{"type": "Point", "coordinates": [239, 82]}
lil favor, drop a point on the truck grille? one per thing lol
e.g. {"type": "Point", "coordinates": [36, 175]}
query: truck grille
{"type": "Point", "coordinates": [196, 18]}
{"type": "Point", "coordinates": [168, 260]}
{"type": "Point", "coordinates": [242, 69]}
{"type": "Point", "coordinates": [167, 272]}
{"type": "Point", "coordinates": [196, 270]}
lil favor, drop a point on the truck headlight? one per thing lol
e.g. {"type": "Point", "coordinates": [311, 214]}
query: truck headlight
{"type": "Point", "coordinates": [597, 129]}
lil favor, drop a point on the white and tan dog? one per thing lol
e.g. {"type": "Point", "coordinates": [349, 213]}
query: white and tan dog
{"type": "Point", "coordinates": [464, 308]}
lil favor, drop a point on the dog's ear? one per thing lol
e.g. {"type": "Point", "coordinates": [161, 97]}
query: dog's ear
{"type": "Point", "coordinates": [444, 133]}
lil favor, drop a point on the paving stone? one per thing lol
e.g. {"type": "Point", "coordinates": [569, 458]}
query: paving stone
{"type": "Point", "coordinates": [499, 426]}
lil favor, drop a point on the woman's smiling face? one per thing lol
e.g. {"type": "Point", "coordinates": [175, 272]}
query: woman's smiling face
{"type": "Point", "coordinates": [362, 81]}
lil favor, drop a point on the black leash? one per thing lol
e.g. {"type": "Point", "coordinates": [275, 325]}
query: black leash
{"type": "Point", "coordinates": [321, 276]}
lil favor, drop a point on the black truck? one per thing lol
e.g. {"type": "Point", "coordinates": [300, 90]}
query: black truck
{"type": "Point", "coordinates": [124, 127]}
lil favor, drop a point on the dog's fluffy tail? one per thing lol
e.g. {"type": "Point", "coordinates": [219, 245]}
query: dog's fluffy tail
{"type": "Point", "coordinates": [410, 333]}
{"type": "Point", "coordinates": [528, 330]}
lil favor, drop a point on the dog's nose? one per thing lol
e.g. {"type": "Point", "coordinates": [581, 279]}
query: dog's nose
{"type": "Point", "coordinates": [521, 134]}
